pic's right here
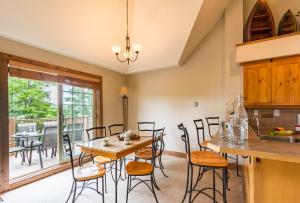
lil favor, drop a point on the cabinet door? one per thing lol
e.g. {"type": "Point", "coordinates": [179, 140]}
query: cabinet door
{"type": "Point", "coordinates": [294, 81]}
{"type": "Point", "coordinates": [264, 83]}
{"type": "Point", "coordinates": [251, 85]}
{"type": "Point", "coordinates": [286, 81]}
{"type": "Point", "coordinates": [257, 83]}
{"type": "Point", "coordinates": [280, 77]}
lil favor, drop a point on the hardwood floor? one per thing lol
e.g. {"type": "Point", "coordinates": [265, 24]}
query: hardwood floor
{"type": "Point", "coordinates": [57, 187]}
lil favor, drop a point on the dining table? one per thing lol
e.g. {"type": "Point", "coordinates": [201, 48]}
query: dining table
{"type": "Point", "coordinates": [116, 149]}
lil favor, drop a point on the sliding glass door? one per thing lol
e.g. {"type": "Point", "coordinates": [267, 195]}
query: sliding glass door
{"type": "Point", "coordinates": [78, 106]}
{"type": "Point", "coordinates": [40, 102]}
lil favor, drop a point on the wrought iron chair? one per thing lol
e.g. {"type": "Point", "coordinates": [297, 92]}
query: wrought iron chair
{"type": "Point", "coordinates": [116, 129]}
{"type": "Point", "coordinates": [207, 159]}
{"type": "Point", "coordinates": [215, 121]}
{"type": "Point", "coordinates": [139, 169]}
{"type": "Point", "coordinates": [83, 174]}
{"type": "Point", "coordinates": [146, 126]}
{"type": "Point", "coordinates": [146, 153]}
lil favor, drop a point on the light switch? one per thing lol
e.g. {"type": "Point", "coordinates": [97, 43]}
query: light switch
{"type": "Point", "coordinates": [195, 104]}
{"type": "Point", "coordinates": [276, 113]}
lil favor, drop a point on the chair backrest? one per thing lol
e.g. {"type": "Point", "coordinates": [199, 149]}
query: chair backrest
{"type": "Point", "coordinates": [96, 130]}
{"type": "Point", "coordinates": [185, 138]}
{"type": "Point", "coordinates": [146, 126]}
{"type": "Point", "coordinates": [212, 121]}
{"type": "Point", "coordinates": [200, 131]}
{"type": "Point", "coordinates": [158, 142]}
{"type": "Point", "coordinates": [50, 137]}
{"type": "Point", "coordinates": [116, 129]}
{"type": "Point", "coordinates": [68, 151]}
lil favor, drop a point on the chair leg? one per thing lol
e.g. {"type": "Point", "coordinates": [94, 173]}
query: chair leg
{"type": "Point", "coordinates": [70, 191]}
{"type": "Point", "coordinates": [191, 184]}
{"type": "Point", "coordinates": [74, 194]}
{"type": "Point", "coordinates": [237, 166]}
{"type": "Point", "coordinates": [40, 156]}
{"type": "Point", "coordinates": [187, 182]}
{"type": "Point", "coordinates": [214, 184]}
{"type": "Point", "coordinates": [127, 190]}
{"type": "Point", "coordinates": [103, 190]}
{"type": "Point", "coordinates": [155, 184]}
{"type": "Point", "coordinates": [224, 184]}
{"type": "Point", "coordinates": [153, 189]}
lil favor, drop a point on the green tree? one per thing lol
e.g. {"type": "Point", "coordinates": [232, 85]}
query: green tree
{"type": "Point", "coordinates": [30, 99]}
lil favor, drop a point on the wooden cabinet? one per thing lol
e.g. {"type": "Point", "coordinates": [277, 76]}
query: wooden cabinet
{"type": "Point", "coordinates": [257, 83]}
{"type": "Point", "coordinates": [285, 81]}
{"type": "Point", "coordinates": [274, 82]}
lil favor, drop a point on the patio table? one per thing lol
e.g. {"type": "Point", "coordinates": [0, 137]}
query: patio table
{"type": "Point", "coordinates": [28, 142]}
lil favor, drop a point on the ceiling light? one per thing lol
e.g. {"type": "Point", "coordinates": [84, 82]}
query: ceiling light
{"type": "Point", "coordinates": [127, 53]}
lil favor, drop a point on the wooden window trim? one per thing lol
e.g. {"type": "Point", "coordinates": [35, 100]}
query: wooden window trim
{"type": "Point", "coordinates": [42, 70]}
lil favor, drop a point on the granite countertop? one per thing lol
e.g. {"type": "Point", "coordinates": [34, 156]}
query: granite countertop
{"type": "Point", "coordinates": [255, 147]}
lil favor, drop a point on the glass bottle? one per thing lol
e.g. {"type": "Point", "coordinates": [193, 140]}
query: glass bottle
{"type": "Point", "coordinates": [241, 117]}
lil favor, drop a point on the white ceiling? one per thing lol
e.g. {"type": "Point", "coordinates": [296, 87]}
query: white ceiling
{"type": "Point", "coordinates": [86, 30]}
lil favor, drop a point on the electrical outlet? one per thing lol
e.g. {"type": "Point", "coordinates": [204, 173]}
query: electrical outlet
{"type": "Point", "coordinates": [255, 113]}
{"type": "Point", "coordinates": [276, 113]}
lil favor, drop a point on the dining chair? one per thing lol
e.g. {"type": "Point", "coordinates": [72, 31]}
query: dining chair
{"type": "Point", "coordinates": [215, 121]}
{"type": "Point", "coordinates": [146, 126]}
{"type": "Point", "coordinates": [139, 169]}
{"type": "Point", "coordinates": [116, 129]}
{"type": "Point", "coordinates": [146, 152]}
{"type": "Point", "coordinates": [83, 174]}
{"type": "Point", "coordinates": [207, 159]}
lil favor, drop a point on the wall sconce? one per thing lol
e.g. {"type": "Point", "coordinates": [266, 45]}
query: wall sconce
{"type": "Point", "coordinates": [124, 93]}
{"type": "Point", "coordinates": [298, 14]}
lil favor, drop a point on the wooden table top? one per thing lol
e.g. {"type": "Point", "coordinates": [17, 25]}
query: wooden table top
{"type": "Point", "coordinates": [255, 147]}
{"type": "Point", "coordinates": [116, 148]}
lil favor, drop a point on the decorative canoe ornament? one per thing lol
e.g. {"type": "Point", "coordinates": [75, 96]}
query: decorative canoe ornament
{"type": "Point", "coordinates": [260, 24]}
{"type": "Point", "coordinates": [288, 23]}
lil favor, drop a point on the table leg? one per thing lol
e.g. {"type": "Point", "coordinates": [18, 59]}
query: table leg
{"type": "Point", "coordinates": [116, 181]}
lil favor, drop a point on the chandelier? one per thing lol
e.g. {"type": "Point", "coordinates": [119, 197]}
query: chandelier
{"type": "Point", "coordinates": [128, 53]}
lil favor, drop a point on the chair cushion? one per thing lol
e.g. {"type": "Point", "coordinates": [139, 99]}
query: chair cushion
{"type": "Point", "coordinates": [137, 168]}
{"type": "Point", "coordinates": [207, 158]}
{"type": "Point", "coordinates": [89, 172]}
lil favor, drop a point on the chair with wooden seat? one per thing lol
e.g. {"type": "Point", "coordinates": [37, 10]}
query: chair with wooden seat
{"type": "Point", "coordinates": [116, 129]}
{"type": "Point", "coordinates": [94, 134]}
{"type": "Point", "coordinates": [146, 152]}
{"type": "Point", "coordinates": [207, 159]}
{"type": "Point", "coordinates": [84, 174]}
{"type": "Point", "coordinates": [139, 169]}
{"type": "Point", "coordinates": [215, 121]}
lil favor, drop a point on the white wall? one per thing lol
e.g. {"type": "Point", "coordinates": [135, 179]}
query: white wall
{"type": "Point", "coordinates": [112, 81]}
{"type": "Point", "coordinates": [209, 77]}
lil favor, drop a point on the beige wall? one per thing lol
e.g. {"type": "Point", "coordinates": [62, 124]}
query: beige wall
{"type": "Point", "coordinates": [209, 77]}
{"type": "Point", "coordinates": [112, 81]}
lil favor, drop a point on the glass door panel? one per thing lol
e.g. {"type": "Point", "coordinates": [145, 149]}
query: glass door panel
{"type": "Point", "coordinates": [77, 104]}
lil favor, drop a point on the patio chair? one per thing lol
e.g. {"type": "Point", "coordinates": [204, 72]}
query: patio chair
{"type": "Point", "coordinates": [50, 140]}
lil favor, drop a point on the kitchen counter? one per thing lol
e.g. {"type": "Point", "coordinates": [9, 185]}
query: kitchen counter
{"type": "Point", "coordinates": [255, 147]}
{"type": "Point", "coordinates": [272, 172]}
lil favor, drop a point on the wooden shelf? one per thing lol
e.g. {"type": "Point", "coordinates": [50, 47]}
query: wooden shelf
{"type": "Point", "coordinates": [272, 106]}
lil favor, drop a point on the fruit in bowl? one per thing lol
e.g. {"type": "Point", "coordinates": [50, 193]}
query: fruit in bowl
{"type": "Point", "coordinates": [281, 131]}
